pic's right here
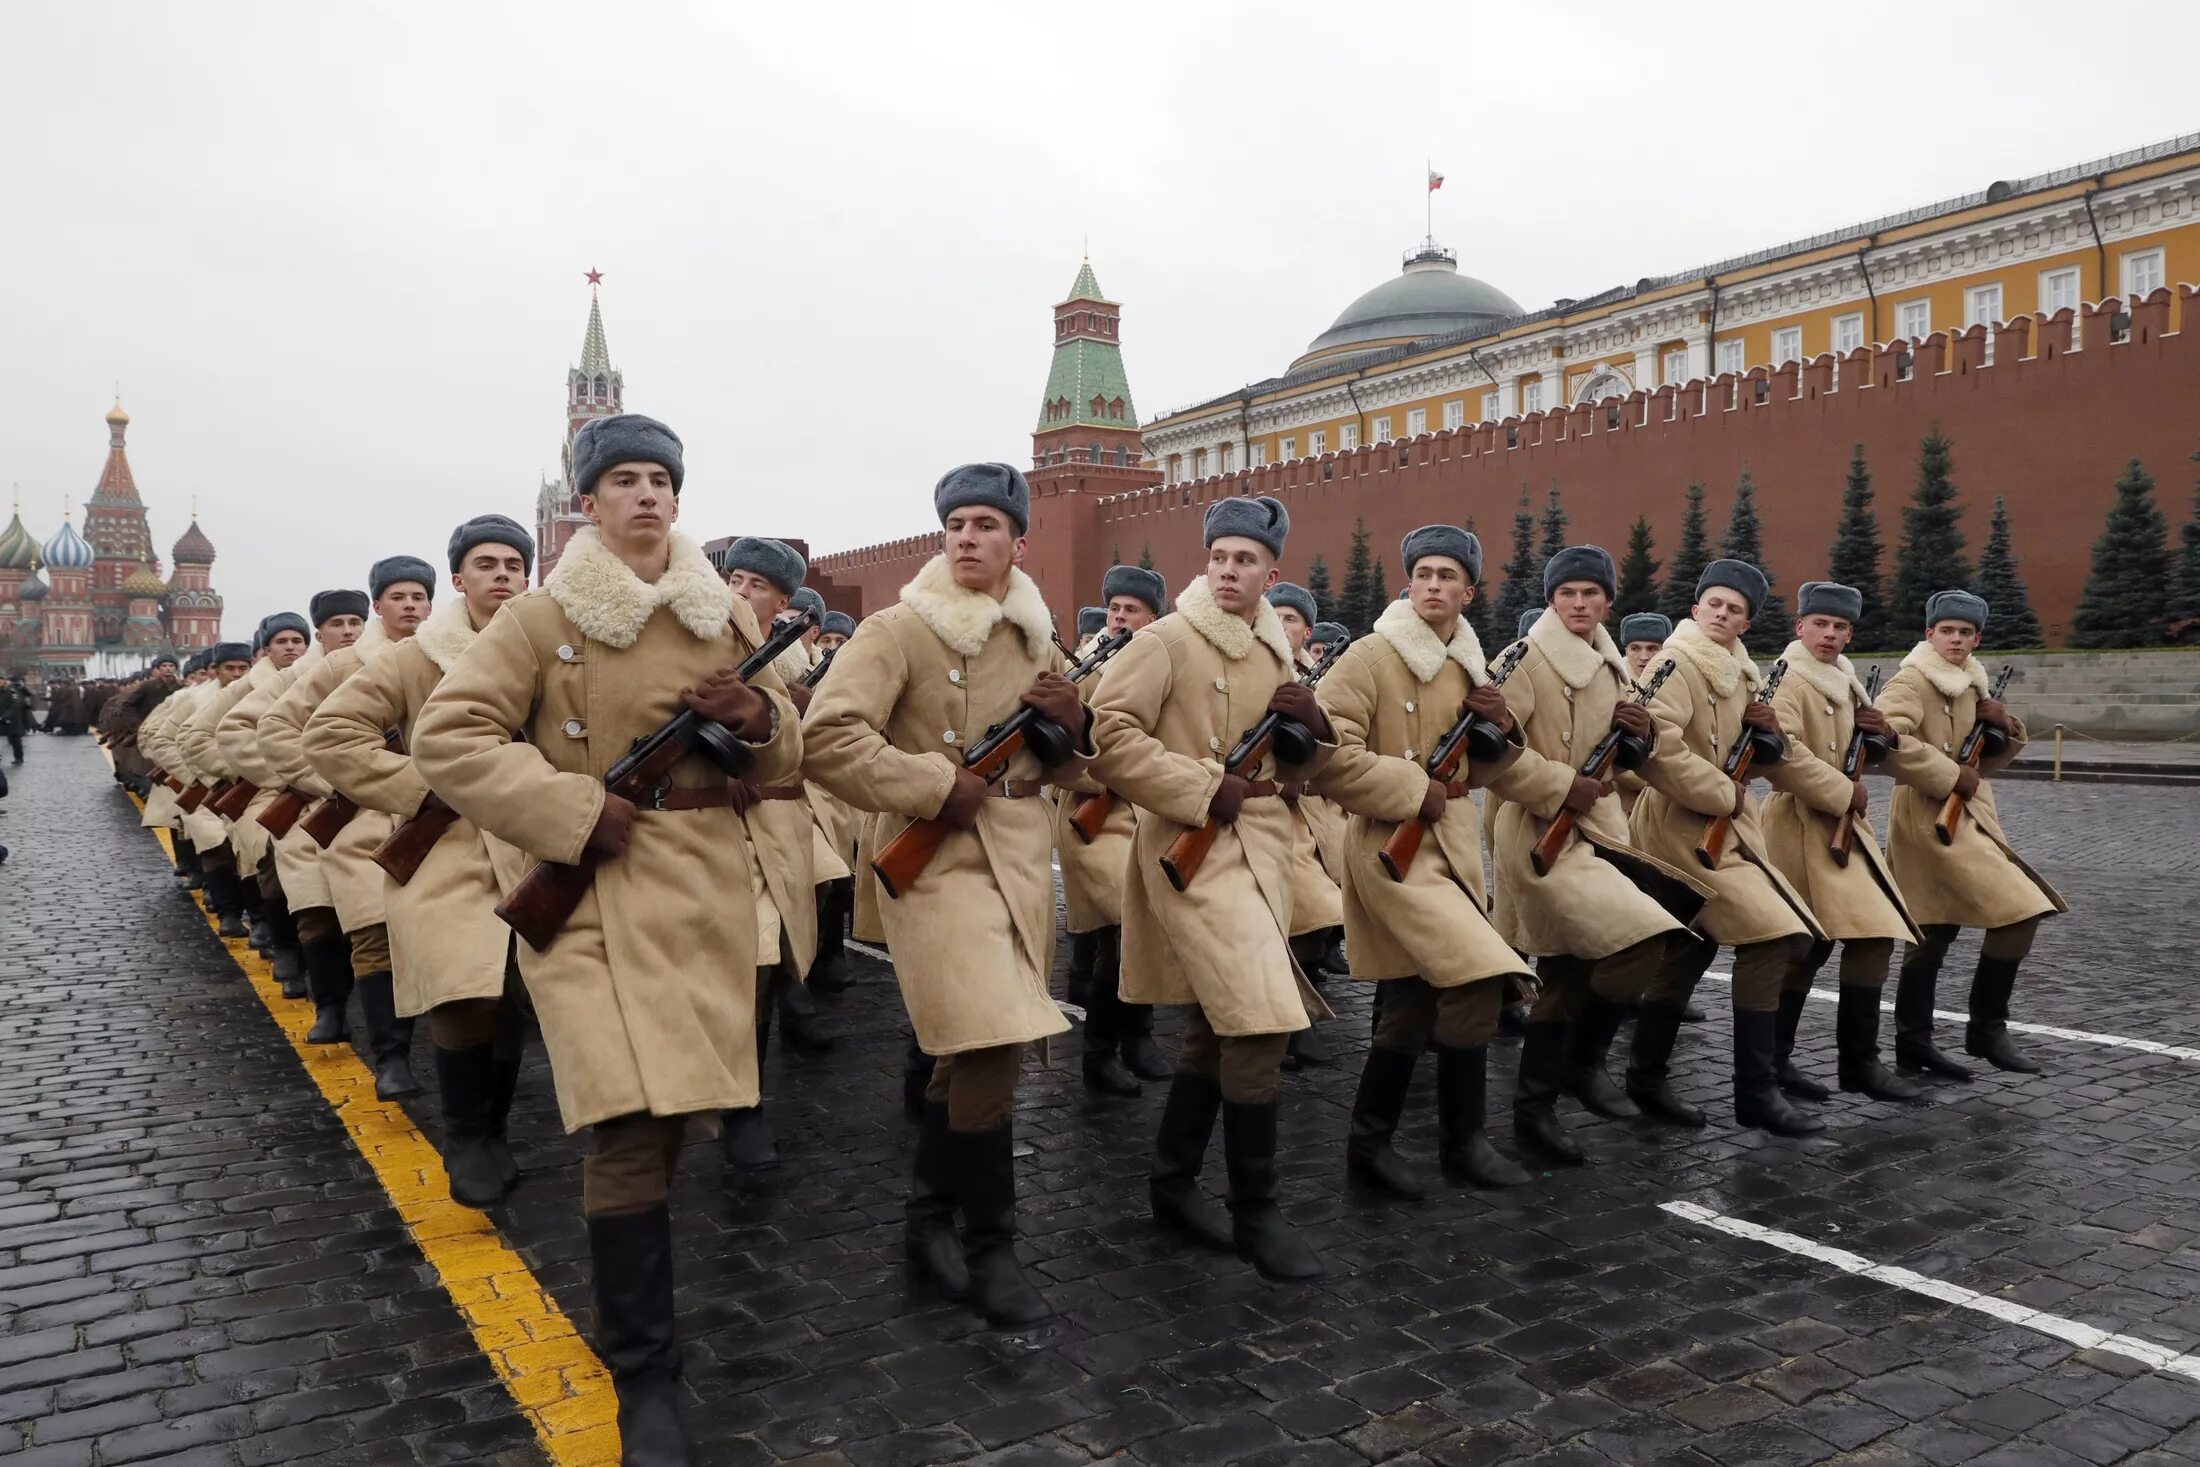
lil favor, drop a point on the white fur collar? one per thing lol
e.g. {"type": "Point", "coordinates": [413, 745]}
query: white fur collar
{"type": "Point", "coordinates": [611, 604]}
{"type": "Point", "coordinates": [1724, 668]}
{"type": "Point", "coordinates": [1422, 654]}
{"type": "Point", "coordinates": [1578, 660]}
{"type": "Point", "coordinates": [965, 619]}
{"type": "Point", "coordinates": [447, 633]}
{"type": "Point", "coordinates": [792, 664]}
{"type": "Point", "coordinates": [265, 674]}
{"type": "Point", "coordinates": [1950, 679]}
{"type": "Point", "coordinates": [1836, 684]}
{"type": "Point", "coordinates": [1230, 633]}
{"type": "Point", "coordinates": [373, 642]}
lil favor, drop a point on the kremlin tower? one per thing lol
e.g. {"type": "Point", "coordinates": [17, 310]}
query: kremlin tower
{"type": "Point", "coordinates": [594, 389]}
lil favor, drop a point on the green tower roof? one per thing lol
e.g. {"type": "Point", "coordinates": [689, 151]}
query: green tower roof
{"type": "Point", "coordinates": [1087, 286]}
{"type": "Point", "coordinates": [1084, 369]}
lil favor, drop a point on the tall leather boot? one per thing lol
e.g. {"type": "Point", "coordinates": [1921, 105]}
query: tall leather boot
{"type": "Point", "coordinates": [190, 870]}
{"type": "Point", "coordinates": [916, 1078]}
{"type": "Point", "coordinates": [1104, 1073]}
{"type": "Point", "coordinates": [1987, 1033]}
{"type": "Point", "coordinates": [745, 1139]}
{"type": "Point", "coordinates": [1263, 1236]}
{"type": "Point", "coordinates": [389, 1038]}
{"type": "Point", "coordinates": [328, 977]}
{"type": "Point", "coordinates": [500, 1145]}
{"type": "Point", "coordinates": [1536, 1125]}
{"type": "Point", "coordinates": [985, 1185]}
{"type": "Point", "coordinates": [1649, 1079]}
{"type": "Point", "coordinates": [829, 974]}
{"type": "Point", "coordinates": [1757, 1098]}
{"type": "Point", "coordinates": [224, 900]}
{"type": "Point", "coordinates": [1856, 1028]}
{"type": "Point", "coordinates": [1333, 957]}
{"type": "Point", "coordinates": [1588, 1040]}
{"type": "Point", "coordinates": [1141, 1056]}
{"type": "Point", "coordinates": [283, 956]}
{"type": "Point", "coordinates": [467, 1079]}
{"type": "Point", "coordinates": [632, 1259]}
{"type": "Point", "coordinates": [1462, 1107]}
{"type": "Point", "coordinates": [1786, 1021]}
{"type": "Point", "coordinates": [1179, 1150]}
{"type": "Point", "coordinates": [801, 1021]}
{"type": "Point", "coordinates": [1083, 947]}
{"type": "Point", "coordinates": [1914, 1049]}
{"type": "Point", "coordinates": [1368, 1153]}
{"type": "Point", "coordinates": [931, 1242]}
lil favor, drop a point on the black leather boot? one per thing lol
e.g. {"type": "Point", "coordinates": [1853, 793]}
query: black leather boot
{"type": "Point", "coordinates": [1306, 1050]}
{"type": "Point", "coordinates": [829, 974]}
{"type": "Point", "coordinates": [801, 1021]}
{"type": "Point", "coordinates": [190, 871]}
{"type": "Point", "coordinates": [931, 1242]}
{"type": "Point", "coordinates": [916, 1078]}
{"type": "Point", "coordinates": [1856, 1029]}
{"type": "Point", "coordinates": [468, 1081]}
{"type": "Point", "coordinates": [985, 1186]}
{"type": "Point", "coordinates": [1333, 958]}
{"type": "Point", "coordinates": [1757, 1098]}
{"type": "Point", "coordinates": [328, 977]}
{"type": "Point", "coordinates": [1536, 1125]}
{"type": "Point", "coordinates": [1141, 1056]}
{"type": "Point", "coordinates": [256, 934]}
{"type": "Point", "coordinates": [283, 957]}
{"type": "Point", "coordinates": [1368, 1153]}
{"type": "Point", "coordinates": [1258, 1228]}
{"type": "Point", "coordinates": [1914, 995]}
{"type": "Point", "coordinates": [389, 1038]}
{"type": "Point", "coordinates": [1083, 948]}
{"type": "Point", "coordinates": [1462, 1106]}
{"type": "Point", "coordinates": [745, 1139]}
{"type": "Point", "coordinates": [1987, 1034]}
{"type": "Point", "coordinates": [1104, 1073]}
{"type": "Point", "coordinates": [1649, 1081]}
{"type": "Point", "coordinates": [500, 1145]}
{"type": "Point", "coordinates": [1588, 1041]}
{"type": "Point", "coordinates": [1786, 1021]}
{"type": "Point", "coordinates": [632, 1258]}
{"type": "Point", "coordinates": [1179, 1150]}
{"type": "Point", "coordinates": [223, 901]}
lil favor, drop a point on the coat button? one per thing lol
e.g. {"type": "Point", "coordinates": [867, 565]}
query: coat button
{"type": "Point", "coordinates": [1214, 743]}
{"type": "Point", "coordinates": [1408, 754]}
{"type": "Point", "coordinates": [1222, 685]}
{"type": "Point", "coordinates": [1569, 695]}
{"type": "Point", "coordinates": [1829, 708]}
{"type": "Point", "coordinates": [565, 652]}
{"type": "Point", "coordinates": [1833, 748]}
{"type": "Point", "coordinates": [954, 675]}
{"type": "Point", "coordinates": [949, 736]}
{"type": "Point", "coordinates": [573, 728]}
{"type": "Point", "coordinates": [1410, 706]}
{"type": "Point", "coordinates": [1565, 738]}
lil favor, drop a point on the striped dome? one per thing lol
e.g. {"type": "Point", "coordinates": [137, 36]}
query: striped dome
{"type": "Point", "coordinates": [17, 548]}
{"type": "Point", "coordinates": [193, 548]}
{"type": "Point", "coordinates": [143, 582]}
{"type": "Point", "coordinates": [67, 550]}
{"type": "Point", "coordinates": [33, 589]}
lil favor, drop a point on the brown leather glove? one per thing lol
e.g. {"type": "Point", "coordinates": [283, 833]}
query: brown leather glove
{"type": "Point", "coordinates": [1967, 781]}
{"type": "Point", "coordinates": [1432, 804]}
{"type": "Point", "coordinates": [1585, 793]}
{"type": "Point", "coordinates": [1636, 720]}
{"type": "Point", "coordinates": [800, 696]}
{"type": "Point", "coordinates": [724, 698]}
{"type": "Point", "coordinates": [1873, 722]}
{"type": "Point", "coordinates": [1489, 703]}
{"type": "Point", "coordinates": [1228, 799]}
{"type": "Point", "coordinates": [614, 827]}
{"type": "Point", "coordinates": [1296, 700]}
{"type": "Point", "coordinates": [1760, 715]}
{"type": "Point", "coordinates": [1055, 696]}
{"type": "Point", "coordinates": [1990, 710]}
{"type": "Point", "coordinates": [1859, 798]}
{"type": "Point", "coordinates": [965, 800]}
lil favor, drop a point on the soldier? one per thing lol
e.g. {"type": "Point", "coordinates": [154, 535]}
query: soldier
{"type": "Point", "coordinates": [450, 958]}
{"type": "Point", "coordinates": [1701, 709]}
{"type": "Point", "coordinates": [972, 937]}
{"type": "Point", "coordinates": [1168, 710]}
{"type": "Point", "coordinates": [125, 713]}
{"type": "Point", "coordinates": [161, 807]}
{"type": "Point", "coordinates": [645, 997]}
{"type": "Point", "coordinates": [185, 752]}
{"type": "Point", "coordinates": [1593, 921]}
{"type": "Point", "coordinates": [1641, 634]}
{"type": "Point", "coordinates": [1327, 634]}
{"type": "Point", "coordinates": [837, 628]}
{"type": "Point", "coordinates": [1119, 1047]}
{"type": "Point", "coordinates": [837, 827]}
{"type": "Point", "coordinates": [228, 746]}
{"type": "Point", "coordinates": [15, 714]}
{"type": "Point", "coordinates": [1427, 937]}
{"type": "Point", "coordinates": [1317, 846]}
{"type": "Point", "coordinates": [402, 588]}
{"type": "Point", "coordinates": [1976, 879]}
{"type": "Point", "coordinates": [1820, 704]}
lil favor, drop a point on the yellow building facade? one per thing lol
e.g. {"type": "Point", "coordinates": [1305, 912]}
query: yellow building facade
{"type": "Point", "coordinates": [1433, 349]}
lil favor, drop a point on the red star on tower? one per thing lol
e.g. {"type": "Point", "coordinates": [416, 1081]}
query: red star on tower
{"type": "Point", "coordinates": [595, 277]}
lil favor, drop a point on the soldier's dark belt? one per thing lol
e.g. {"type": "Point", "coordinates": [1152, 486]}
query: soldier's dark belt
{"type": "Point", "coordinates": [1015, 789]}
{"type": "Point", "coordinates": [715, 797]}
{"type": "Point", "coordinates": [1262, 789]}
{"type": "Point", "coordinates": [1456, 790]}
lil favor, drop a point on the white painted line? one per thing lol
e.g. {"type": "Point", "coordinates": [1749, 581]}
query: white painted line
{"type": "Point", "coordinates": [2045, 1031]}
{"type": "Point", "coordinates": [2008, 1311]}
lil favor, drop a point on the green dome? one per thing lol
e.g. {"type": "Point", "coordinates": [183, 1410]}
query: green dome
{"type": "Point", "coordinates": [16, 546]}
{"type": "Point", "coordinates": [1428, 298]}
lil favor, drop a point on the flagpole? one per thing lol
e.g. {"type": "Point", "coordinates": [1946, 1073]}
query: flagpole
{"type": "Point", "coordinates": [1428, 202]}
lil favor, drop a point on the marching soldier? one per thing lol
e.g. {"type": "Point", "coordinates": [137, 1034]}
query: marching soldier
{"type": "Point", "coordinates": [1426, 937]}
{"type": "Point", "coordinates": [231, 746]}
{"type": "Point", "coordinates": [162, 809]}
{"type": "Point", "coordinates": [1169, 708]}
{"type": "Point", "coordinates": [837, 628]}
{"type": "Point", "coordinates": [1709, 700]}
{"type": "Point", "coordinates": [1327, 634]}
{"type": "Point", "coordinates": [1119, 1046]}
{"type": "Point", "coordinates": [184, 751]}
{"type": "Point", "coordinates": [972, 937]}
{"type": "Point", "coordinates": [646, 996]}
{"type": "Point", "coordinates": [125, 713]}
{"type": "Point", "coordinates": [1084, 947]}
{"type": "Point", "coordinates": [837, 826]}
{"type": "Point", "coordinates": [450, 958]}
{"type": "Point", "coordinates": [1976, 879]}
{"type": "Point", "coordinates": [1317, 846]}
{"type": "Point", "coordinates": [1641, 635]}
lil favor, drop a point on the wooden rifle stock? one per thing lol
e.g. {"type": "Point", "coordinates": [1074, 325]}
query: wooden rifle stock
{"type": "Point", "coordinates": [329, 819]}
{"type": "Point", "coordinates": [904, 858]}
{"type": "Point", "coordinates": [1091, 815]}
{"type": "Point", "coordinates": [1597, 767]}
{"type": "Point", "coordinates": [1712, 848]}
{"type": "Point", "coordinates": [1398, 853]}
{"type": "Point", "coordinates": [1852, 762]}
{"type": "Point", "coordinates": [191, 797]}
{"type": "Point", "coordinates": [408, 845]}
{"type": "Point", "coordinates": [282, 813]}
{"type": "Point", "coordinates": [1974, 748]}
{"type": "Point", "coordinates": [233, 801]}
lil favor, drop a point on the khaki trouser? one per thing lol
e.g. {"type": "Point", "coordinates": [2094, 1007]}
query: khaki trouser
{"type": "Point", "coordinates": [2009, 944]}
{"type": "Point", "coordinates": [1759, 970]}
{"type": "Point", "coordinates": [1415, 1010]}
{"type": "Point", "coordinates": [630, 1163]}
{"type": "Point", "coordinates": [1617, 977]}
{"type": "Point", "coordinates": [469, 1023]}
{"type": "Point", "coordinates": [978, 1086]}
{"type": "Point", "coordinates": [370, 949]}
{"type": "Point", "coordinates": [1248, 1067]}
{"type": "Point", "coordinates": [1864, 963]}
{"type": "Point", "coordinates": [316, 924]}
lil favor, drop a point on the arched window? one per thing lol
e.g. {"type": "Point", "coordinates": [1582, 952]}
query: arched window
{"type": "Point", "coordinates": [603, 389]}
{"type": "Point", "coordinates": [1092, 454]}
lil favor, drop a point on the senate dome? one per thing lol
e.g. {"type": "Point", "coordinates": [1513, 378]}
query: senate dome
{"type": "Point", "coordinates": [68, 550]}
{"type": "Point", "coordinates": [1429, 297]}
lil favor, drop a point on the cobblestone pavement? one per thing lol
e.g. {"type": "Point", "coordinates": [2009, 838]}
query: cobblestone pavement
{"type": "Point", "coordinates": [195, 1266]}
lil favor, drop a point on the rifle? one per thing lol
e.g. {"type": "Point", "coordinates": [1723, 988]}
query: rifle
{"type": "Point", "coordinates": [816, 674]}
{"type": "Point", "coordinates": [1974, 745]}
{"type": "Point", "coordinates": [408, 845]}
{"type": "Point", "coordinates": [545, 899]}
{"type": "Point", "coordinates": [192, 796]}
{"type": "Point", "coordinates": [232, 802]}
{"type": "Point", "coordinates": [1470, 738]}
{"type": "Point", "coordinates": [1181, 862]}
{"type": "Point", "coordinates": [1852, 761]}
{"type": "Point", "coordinates": [282, 813]}
{"type": "Point", "coordinates": [905, 856]}
{"type": "Point", "coordinates": [1748, 744]}
{"type": "Point", "coordinates": [337, 811]}
{"type": "Point", "coordinates": [1597, 767]}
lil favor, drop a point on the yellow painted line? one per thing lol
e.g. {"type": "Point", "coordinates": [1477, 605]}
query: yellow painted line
{"type": "Point", "coordinates": [554, 1377]}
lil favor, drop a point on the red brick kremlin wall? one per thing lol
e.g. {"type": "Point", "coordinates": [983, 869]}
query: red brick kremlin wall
{"type": "Point", "coordinates": [2047, 427]}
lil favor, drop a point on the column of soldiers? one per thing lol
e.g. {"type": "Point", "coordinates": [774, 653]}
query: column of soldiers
{"type": "Point", "coordinates": [1227, 785]}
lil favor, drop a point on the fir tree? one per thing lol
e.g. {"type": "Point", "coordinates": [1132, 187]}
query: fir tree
{"type": "Point", "coordinates": [1771, 629]}
{"type": "Point", "coordinates": [2123, 604]}
{"type": "Point", "coordinates": [2010, 621]}
{"type": "Point", "coordinates": [1115, 557]}
{"type": "Point", "coordinates": [1523, 588]}
{"type": "Point", "coordinates": [2184, 601]}
{"type": "Point", "coordinates": [1145, 557]}
{"type": "Point", "coordinates": [1686, 567]}
{"type": "Point", "coordinates": [1317, 586]}
{"type": "Point", "coordinates": [1638, 575]}
{"type": "Point", "coordinates": [1358, 606]}
{"type": "Point", "coordinates": [1854, 559]}
{"type": "Point", "coordinates": [1555, 521]}
{"type": "Point", "coordinates": [1931, 556]}
{"type": "Point", "coordinates": [1478, 609]}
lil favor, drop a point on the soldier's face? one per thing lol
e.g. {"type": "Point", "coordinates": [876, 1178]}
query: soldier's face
{"type": "Point", "coordinates": [402, 607]}
{"type": "Point", "coordinates": [1953, 640]}
{"type": "Point", "coordinates": [827, 641]}
{"type": "Point", "coordinates": [339, 632]}
{"type": "Point", "coordinates": [633, 506]}
{"type": "Point", "coordinates": [764, 597]}
{"type": "Point", "coordinates": [166, 672]}
{"type": "Point", "coordinates": [1127, 612]}
{"type": "Point", "coordinates": [1640, 653]}
{"type": "Point", "coordinates": [1295, 627]}
{"type": "Point", "coordinates": [229, 672]}
{"type": "Point", "coordinates": [1824, 637]}
{"type": "Point", "coordinates": [1723, 614]}
{"type": "Point", "coordinates": [1440, 589]}
{"type": "Point", "coordinates": [981, 546]}
{"type": "Point", "coordinates": [285, 648]}
{"type": "Point", "coordinates": [1239, 572]}
{"type": "Point", "coordinates": [488, 575]}
{"type": "Point", "coordinates": [1582, 606]}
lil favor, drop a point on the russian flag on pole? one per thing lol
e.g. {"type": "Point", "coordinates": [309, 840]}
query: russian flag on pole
{"type": "Point", "coordinates": [1435, 180]}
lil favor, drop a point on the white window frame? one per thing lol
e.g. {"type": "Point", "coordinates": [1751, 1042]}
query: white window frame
{"type": "Point", "coordinates": [1287, 449]}
{"type": "Point", "coordinates": [1731, 357]}
{"type": "Point", "coordinates": [1493, 404]}
{"type": "Point", "coordinates": [2137, 266]}
{"type": "Point", "coordinates": [1382, 428]}
{"type": "Point", "coordinates": [1258, 457]}
{"type": "Point", "coordinates": [1199, 463]}
{"type": "Point", "coordinates": [1675, 365]}
{"type": "Point", "coordinates": [1416, 422]}
{"type": "Point", "coordinates": [1982, 306]}
{"type": "Point", "coordinates": [1348, 437]}
{"type": "Point", "coordinates": [1914, 319]}
{"type": "Point", "coordinates": [1787, 345]}
{"type": "Point", "coordinates": [1228, 451]}
{"type": "Point", "coordinates": [1317, 443]}
{"type": "Point", "coordinates": [1455, 414]}
{"type": "Point", "coordinates": [1848, 332]}
{"type": "Point", "coordinates": [1531, 396]}
{"type": "Point", "coordinates": [2051, 283]}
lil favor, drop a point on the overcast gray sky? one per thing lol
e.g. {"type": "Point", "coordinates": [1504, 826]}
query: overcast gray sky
{"type": "Point", "coordinates": [334, 254]}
